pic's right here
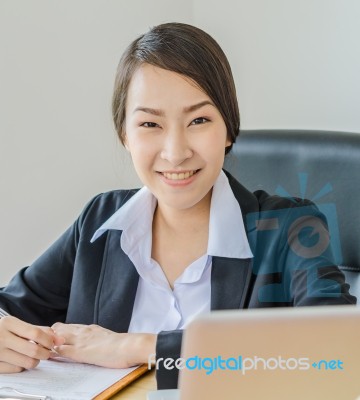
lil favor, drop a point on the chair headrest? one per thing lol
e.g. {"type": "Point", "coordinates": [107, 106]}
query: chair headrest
{"type": "Point", "coordinates": [322, 166]}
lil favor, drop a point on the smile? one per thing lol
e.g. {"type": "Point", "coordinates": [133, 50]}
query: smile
{"type": "Point", "coordinates": [174, 176]}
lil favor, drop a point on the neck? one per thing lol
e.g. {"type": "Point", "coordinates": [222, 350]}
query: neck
{"type": "Point", "coordinates": [184, 221]}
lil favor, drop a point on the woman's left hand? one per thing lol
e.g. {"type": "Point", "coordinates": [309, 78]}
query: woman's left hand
{"type": "Point", "coordinates": [93, 344]}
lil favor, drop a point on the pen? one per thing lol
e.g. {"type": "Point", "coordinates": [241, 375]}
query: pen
{"type": "Point", "coordinates": [10, 393]}
{"type": "Point", "coordinates": [3, 313]}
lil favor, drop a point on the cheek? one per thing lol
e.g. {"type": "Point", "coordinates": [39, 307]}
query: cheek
{"type": "Point", "coordinates": [143, 153]}
{"type": "Point", "coordinates": [215, 146]}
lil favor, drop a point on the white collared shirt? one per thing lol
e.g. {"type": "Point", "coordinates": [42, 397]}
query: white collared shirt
{"type": "Point", "coordinates": [157, 307]}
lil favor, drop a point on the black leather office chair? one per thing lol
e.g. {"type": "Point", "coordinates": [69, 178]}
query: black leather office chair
{"type": "Point", "coordinates": [318, 165]}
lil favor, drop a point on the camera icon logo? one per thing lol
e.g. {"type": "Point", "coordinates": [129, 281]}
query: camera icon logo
{"type": "Point", "coordinates": [306, 240]}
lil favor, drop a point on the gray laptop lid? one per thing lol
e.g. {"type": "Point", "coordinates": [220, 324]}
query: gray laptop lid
{"type": "Point", "coordinates": [295, 353]}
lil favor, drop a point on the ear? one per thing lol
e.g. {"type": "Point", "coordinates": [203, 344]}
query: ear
{"type": "Point", "coordinates": [125, 143]}
{"type": "Point", "coordinates": [228, 141]}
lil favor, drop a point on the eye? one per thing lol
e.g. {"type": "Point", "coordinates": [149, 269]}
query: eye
{"type": "Point", "coordinates": [198, 121]}
{"type": "Point", "coordinates": [149, 125]}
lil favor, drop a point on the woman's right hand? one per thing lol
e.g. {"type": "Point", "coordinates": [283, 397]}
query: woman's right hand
{"type": "Point", "coordinates": [23, 345]}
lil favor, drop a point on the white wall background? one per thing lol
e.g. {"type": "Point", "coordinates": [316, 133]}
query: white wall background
{"type": "Point", "coordinates": [296, 65]}
{"type": "Point", "coordinates": [296, 62]}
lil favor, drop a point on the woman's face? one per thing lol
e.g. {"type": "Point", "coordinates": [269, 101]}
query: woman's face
{"type": "Point", "coordinates": [176, 136]}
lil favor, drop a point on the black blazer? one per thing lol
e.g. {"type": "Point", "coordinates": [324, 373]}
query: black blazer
{"type": "Point", "coordinates": [76, 281]}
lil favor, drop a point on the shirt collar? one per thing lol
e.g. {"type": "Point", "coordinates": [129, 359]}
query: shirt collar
{"type": "Point", "coordinates": [227, 236]}
{"type": "Point", "coordinates": [134, 212]}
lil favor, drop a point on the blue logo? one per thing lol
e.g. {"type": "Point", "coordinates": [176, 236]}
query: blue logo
{"type": "Point", "coordinates": [306, 237]}
{"type": "Point", "coordinates": [244, 365]}
{"type": "Point", "coordinates": [324, 365]}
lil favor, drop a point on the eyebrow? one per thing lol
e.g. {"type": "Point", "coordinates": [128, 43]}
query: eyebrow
{"type": "Point", "coordinates": [186, 110]}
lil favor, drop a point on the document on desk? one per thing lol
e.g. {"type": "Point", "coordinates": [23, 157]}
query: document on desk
{"type": "Point", "coordinates": [64, 380]}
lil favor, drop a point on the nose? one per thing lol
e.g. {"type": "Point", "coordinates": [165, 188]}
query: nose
{"type": "Point", "coordinates": [176, 148]}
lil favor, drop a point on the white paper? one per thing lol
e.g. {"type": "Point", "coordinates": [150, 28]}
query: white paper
{"type": "Point", "coordinates": [64, 380]}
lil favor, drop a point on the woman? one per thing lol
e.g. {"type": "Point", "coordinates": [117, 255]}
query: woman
{"type": "Point", "coordinates": [125, 279]}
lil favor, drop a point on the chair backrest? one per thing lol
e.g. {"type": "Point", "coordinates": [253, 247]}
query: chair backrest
{"type": "Point", "coordinates": [319, 165]}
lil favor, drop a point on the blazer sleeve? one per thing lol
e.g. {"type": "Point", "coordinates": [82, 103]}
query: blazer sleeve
{"type": "Point", "coordinates": [168, 345]}
{"type": "Point", "coordinates": [39, 294]}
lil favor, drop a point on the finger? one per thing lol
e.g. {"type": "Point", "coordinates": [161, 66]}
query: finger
{"type": "Point", "coordinates": [6, 368]}
{"type": "Point", "coordinates": [18, 360]}
{"type": "Point", "coordinates": [59, 340]}
{"type": "Point", "coordinates": [46, 329]}
{"type": "Point", "coordinates": [28, 331]}
{"type": "Point", "coordinates": [69, 351]}
{"type": "Point", "coordinates": [59, 327]}
{"type": "Point", "coordinates": [54, 354]}
{"type": "Point", "coordinates": [67, 332]}
{"type": "Point", "coordinates": [28, 348]}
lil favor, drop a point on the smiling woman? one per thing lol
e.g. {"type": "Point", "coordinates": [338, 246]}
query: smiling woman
{"type": "Point", "coordinates": [124, 281]}
{"type": "Point", "coordinates": [178, 152]}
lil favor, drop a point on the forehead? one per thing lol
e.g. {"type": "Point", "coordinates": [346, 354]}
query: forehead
{"type": "Point", "coordinates": [154, 85]}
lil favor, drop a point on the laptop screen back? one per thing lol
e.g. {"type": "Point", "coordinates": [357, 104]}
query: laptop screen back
{"type": "Point", "coordinates": [295, 353]}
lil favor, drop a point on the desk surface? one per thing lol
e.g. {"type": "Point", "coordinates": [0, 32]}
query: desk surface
{"type": "Point", "coordinates": [138, 389]}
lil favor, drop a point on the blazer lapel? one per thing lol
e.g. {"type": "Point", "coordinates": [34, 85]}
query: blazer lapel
{"type": "Point", "coordinates": [117, 287]}
{"type": "Point", "coordinates": [230, 279]}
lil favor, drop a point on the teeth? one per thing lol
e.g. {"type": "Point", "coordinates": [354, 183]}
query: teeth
{"type": "Point", "coordinates": [176, 177]}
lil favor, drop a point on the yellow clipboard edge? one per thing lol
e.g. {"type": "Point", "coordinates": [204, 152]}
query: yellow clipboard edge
{"type": "Point", "coordinates": [117, 386]}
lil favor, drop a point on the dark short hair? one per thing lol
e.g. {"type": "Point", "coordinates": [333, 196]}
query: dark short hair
{"type": "Point", "coordinates": [189, 51]}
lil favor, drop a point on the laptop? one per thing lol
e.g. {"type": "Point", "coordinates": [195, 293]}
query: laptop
{"type": "Point", "coordinates": [306, 353]}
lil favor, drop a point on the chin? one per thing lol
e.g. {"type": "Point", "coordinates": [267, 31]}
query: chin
{"type": "Point", "coordinates": [183, 204]}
